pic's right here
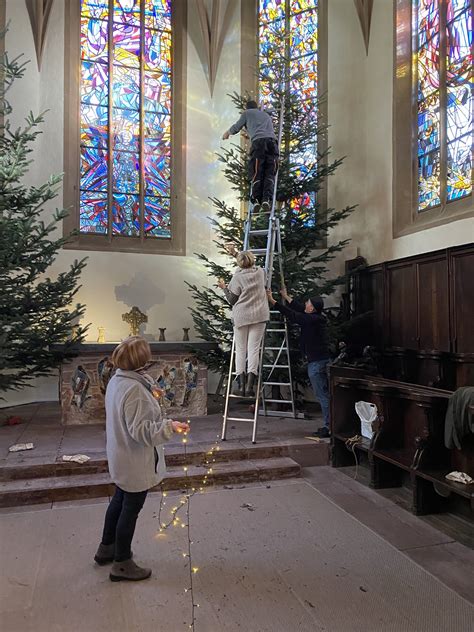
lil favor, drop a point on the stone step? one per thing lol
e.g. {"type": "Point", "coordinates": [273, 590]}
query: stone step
{"type": "Point", "coordinates": [73, 487]}
{"type": "Point", "coordinates": [315, 454]}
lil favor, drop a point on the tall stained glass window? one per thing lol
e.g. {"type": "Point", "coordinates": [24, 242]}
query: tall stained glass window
{"type": "Point", "coordinates": [125, 118]}
{"type": "Point", "coordinates": [443, 42]}
{"type": "Point", "coordinates": [292, 27]}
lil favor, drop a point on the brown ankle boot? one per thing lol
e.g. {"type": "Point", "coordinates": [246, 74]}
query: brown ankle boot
{"type": "Point", "coordinates": [128, 571]}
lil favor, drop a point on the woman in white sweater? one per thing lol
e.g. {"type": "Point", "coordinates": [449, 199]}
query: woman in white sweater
{"type": "Point", "coordinates": [247, 295]}
{"type": "Point", "coordinates": [135, 434]}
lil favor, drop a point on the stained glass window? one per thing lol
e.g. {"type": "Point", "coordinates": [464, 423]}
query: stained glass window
{"type": "Point", "coordinates": [125, 118]}
{"type": "Point", "coordinates": [291, 27]}
{"type": "Point", "coordinates": [443, 36]}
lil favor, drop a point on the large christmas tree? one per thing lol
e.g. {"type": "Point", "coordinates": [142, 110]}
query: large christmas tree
{"type": "Point", "coordinates": [36, 311]}
{"type": "Point", "coordinates": [303, 170]}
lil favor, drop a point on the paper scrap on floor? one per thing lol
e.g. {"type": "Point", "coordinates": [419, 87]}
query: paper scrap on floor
{"type": "Point", "coordinates": [19, 447]}
{"type": "Point", "coordinates": [76, 458]}
{"type": "Point", "coordinates": [460, 477]}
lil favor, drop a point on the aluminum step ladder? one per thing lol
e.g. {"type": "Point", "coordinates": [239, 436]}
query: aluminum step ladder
{"type": "Point", "coordinates": [274, 356]}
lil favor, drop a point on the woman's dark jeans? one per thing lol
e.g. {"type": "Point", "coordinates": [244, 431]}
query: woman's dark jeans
{"type": "Point", "coordinates": [120, 521]}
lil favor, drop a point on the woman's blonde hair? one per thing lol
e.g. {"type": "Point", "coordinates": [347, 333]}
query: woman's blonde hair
{"type": "Point", "coordinates": [131, 354]}
{"type": "Point", "coordinates": [245, 259]}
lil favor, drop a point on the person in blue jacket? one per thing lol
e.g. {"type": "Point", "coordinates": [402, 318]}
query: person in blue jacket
{"type": "Point", "coordinates": [314, 343]}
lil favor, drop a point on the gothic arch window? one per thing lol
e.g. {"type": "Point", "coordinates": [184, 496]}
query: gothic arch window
{"type": "Point", "coordinates": [124, 125]}
{"type": "Point", "coordinates": [433, 129]}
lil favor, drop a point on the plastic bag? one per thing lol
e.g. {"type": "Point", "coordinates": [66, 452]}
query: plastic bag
{"type": "Point", "coordinates": [367, 413]}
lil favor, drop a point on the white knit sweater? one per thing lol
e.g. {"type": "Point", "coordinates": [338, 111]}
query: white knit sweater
{"type": "Point", "coordinates": [252, 303]}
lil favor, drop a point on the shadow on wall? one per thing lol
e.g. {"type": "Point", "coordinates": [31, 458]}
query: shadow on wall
{"type": "Point", "coordinates": [143, 292]}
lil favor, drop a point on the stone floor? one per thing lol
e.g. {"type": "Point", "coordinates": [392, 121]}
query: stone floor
{"type": "Point", "coordinates": [41, 426]}
{"type": "Point", "coordinates": [312, 554]}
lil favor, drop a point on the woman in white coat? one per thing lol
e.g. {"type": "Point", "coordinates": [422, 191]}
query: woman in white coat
{"type": "Point", "coordinates": [247, 295]}
{"type": "Point", "coordinates": [135, 434]}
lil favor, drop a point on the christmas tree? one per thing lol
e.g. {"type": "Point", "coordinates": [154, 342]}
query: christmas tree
{"type": "Point", "coordinates": [303, 169]}
{"type": "Point", "coordinates": [36, 311]}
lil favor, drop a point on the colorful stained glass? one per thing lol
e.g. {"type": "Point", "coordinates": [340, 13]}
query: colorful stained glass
{"type": "Point", "coordinates": [447, 132]}
{"type": "Point", "coordinates": [94, 169]}
{"type": "Point", "coordinates": [126, 215]}
{"type": "Point", "coordinates": [93, 213]}
{"type": "Point", "coordinates": [139, 93]}
{"type": "Point", "coordinates": [98, 9]}
{"type": "Point", "coordinates": [127, 12]}
{"type": "Point", "coordinates": [157, 50]}
{"type": "Point", "coordinates": [271, 10]}
{"type": "Point", "coordinates": [158, 15]}
{"type": "Point", "coordinates": [289, 28]}
{"type": "Point", "coordinates": [303, 33]}
{"type": "Point", "coordinates": [429, 180]}
{"type": "Point", "coordinates": [428, 126]}
{"type": "Point", "coordinates": [126, 88]}
{"type": "Point", "coordinates": [157, 93]}
{"type": "Point", "coordinates": [455, 7]}
{"type": "Point", "coordinates": [94, 125]}
{"type": "Point", "coordinates": [157, 217]}
{"type": "Point", "coordinates": [94, 40]}
{"type": "Point", "coordinates": [126, 45]}
{"type": "Point", "coordinates": [157, 174]}
{"type": "Point", "coordinates": [459, 58]}
{"type": "Point", "coordinates": [94, 83]}
{"type": "Point", "coordinates": [126, 172]}
{"type": "Point", "coordinates": [459, 168]}
{"type": "Point", "coordinates": [126, 129]}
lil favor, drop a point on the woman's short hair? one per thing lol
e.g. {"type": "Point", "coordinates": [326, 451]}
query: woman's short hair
{"type": "Point", "coordinates": [131, 354]}
{"type": "Point", "coordinates": [245, 259]}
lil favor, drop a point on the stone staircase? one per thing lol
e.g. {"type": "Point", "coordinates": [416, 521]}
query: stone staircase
{"type": "Point", "coordinates": [24, 484]}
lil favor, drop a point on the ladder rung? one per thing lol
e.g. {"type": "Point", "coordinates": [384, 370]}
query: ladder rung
{"type": "Point", "coordinates": [276, 366]}
{"type": "Point", "coordinates": [278, 401]}
{"type": "Point", "coordinates": [240, 419]}
{"type": "Point", "coordinates": [241, 397]}
{"type": "Point", "coordinates": [279, 330]}
{"type": "Point", "coordinates": [277, 384]}
{"type": "Point", "coordinates": [276, 348]}
{"type": "Point", "coordinates": [258, 232]}
{"type": "Point", "coordinates": [258, 251]}
{"type": "Point", "coordinates": [275, 311]}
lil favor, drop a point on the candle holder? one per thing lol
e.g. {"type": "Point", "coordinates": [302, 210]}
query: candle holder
{"type": "Point", "coordinates": [186, 334]}
{"type": "Point", "coordinates": [162, 334]}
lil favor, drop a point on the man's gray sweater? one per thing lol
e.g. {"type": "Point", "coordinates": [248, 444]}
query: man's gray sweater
{"type": "Point", "coordinates": [258, 124]}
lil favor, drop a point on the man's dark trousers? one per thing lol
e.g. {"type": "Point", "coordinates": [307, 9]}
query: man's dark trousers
{"type": "Point", "coordinates": [263, 166]}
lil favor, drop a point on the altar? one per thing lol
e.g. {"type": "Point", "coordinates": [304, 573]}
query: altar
{"type": "Point", "coordinates": [182, 378]}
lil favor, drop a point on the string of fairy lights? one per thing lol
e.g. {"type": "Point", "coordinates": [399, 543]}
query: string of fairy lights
{"type": "Point", "coordinates": [184, 506]}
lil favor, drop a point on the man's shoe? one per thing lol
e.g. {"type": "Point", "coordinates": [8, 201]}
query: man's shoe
{"type": "Point", "coordinates": [322, 433]}
{"type": "Point", "coordinates": [128, 571]}
{"type": "Point", "coordinates": [105, 554]}
{"type": "Point", "coordinates": [238, 387]}
{"type": "Point", "coordinates": [256, 208]}
{"type": "Point", "coordinates": [266, 206]}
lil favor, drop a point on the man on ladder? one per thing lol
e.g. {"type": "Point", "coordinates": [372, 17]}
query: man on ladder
{"type": "Point", "coordinates": [263, 161]}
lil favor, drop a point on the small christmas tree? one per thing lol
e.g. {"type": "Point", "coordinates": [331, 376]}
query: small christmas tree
{"type": "Point", "coordinates": [36, 311]}
{"type": "Point", "coordinates": [303, 169]}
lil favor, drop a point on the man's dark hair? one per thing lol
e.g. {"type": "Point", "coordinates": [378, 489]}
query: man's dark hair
{"type": "Point", "coordinates": [251, 105]}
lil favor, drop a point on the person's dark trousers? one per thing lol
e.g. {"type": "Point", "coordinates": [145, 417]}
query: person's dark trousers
{"type": "Point", "coordinates": [120, 520]}
{"type": "Point", "coordinates": [263, 166]}
{"type": "Point", "coordinates": [318, 375]}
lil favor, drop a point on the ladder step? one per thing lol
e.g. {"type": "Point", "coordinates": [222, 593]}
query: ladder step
{"type": "Point", "coordinates": [277, 384]}
{"type": "Point", "coordinates": [278, 401]}
{"type": "Point", "coordinates": [258, 231]}
{"type": "Point", "coordinates": [276, 366]}
{"type": "Point", "coordinates": [241, 397]}
{"type": "Point", "coordinates": [240, 419]}
{"type": "Point", "coordinates": [258, 251]}
{"type": "Point", "coordinates": [276, 348]}
{"type": "Point", "coordinates": [276, 330]}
